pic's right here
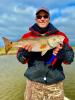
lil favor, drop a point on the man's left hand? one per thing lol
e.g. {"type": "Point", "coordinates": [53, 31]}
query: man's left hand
{"type": "Point", "coordinates": [57, 49]}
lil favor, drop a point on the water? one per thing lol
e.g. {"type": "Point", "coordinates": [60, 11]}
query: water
{"type": "Point", "coordinates": [12, 80]}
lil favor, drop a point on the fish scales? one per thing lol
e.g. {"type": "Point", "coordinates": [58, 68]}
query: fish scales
{"type": "Point", "coordinates": [41, 44]}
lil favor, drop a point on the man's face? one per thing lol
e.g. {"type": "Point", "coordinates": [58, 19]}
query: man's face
{"type": "Point", "coordinates": [42, 19]}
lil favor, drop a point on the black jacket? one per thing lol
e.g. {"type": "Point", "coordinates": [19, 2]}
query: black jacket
{"type": "Point", "coordinates": [38, 69]}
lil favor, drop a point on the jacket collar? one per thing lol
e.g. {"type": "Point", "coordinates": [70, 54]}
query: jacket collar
{"type": "Point", "coordinates": [50, 29]}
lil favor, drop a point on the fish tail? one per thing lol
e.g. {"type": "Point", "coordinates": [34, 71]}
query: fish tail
{"type": "Point", "coordinates": [8, 44]}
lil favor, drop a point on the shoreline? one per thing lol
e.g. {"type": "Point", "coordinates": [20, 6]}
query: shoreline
{"type": "Point", "coordinates": [13, 51]}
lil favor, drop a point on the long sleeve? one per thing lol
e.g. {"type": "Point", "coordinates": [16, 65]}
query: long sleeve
{"type": "Point", "coordinates": [23, 55]}
{"type": "Point", "coordinates": [68, 54]}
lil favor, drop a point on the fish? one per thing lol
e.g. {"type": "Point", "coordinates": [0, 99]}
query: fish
{"type": "Point", "coordinates": [41, 44]}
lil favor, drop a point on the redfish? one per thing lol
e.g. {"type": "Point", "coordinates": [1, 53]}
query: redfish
{"type": "Point", "coordinates": [41, 44]}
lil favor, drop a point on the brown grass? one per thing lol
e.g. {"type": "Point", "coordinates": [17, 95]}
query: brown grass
{"type": "Point", "coordinates": [13, 51]}
{"type": "Point", "coordinates": [2, 51]}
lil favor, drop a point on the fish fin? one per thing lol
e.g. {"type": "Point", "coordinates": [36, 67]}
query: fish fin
{"type": "Point", "coordinates": [43, 52]}
{"type": "Point", "coordinates": [8, 44]}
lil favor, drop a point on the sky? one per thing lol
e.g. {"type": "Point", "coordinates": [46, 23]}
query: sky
{"type": "Point", "coordinates": [16, 16]}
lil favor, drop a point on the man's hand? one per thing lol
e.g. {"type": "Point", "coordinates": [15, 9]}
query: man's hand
{"type": "Point", "coordinates": [28, 47]}
{"type": "Point", "coordinates": [57, 49]}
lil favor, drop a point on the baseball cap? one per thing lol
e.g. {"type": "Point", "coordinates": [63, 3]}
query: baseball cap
{"type": "Point", "coordinates": [42, 9]}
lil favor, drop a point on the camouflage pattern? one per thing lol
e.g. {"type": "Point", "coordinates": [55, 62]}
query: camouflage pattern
{"type": "Point", "coordinates": [39, 91]}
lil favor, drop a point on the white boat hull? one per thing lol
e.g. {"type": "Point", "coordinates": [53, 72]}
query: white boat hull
{"type": "Point", "coordinates": [65, 98]}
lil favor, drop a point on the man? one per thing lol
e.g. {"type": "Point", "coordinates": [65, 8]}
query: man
{"type": "Point", "coordinates": [45, 81]}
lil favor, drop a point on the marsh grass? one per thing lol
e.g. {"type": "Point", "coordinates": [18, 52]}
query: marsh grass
{"type": "Point", "coordinates": [13, 51]}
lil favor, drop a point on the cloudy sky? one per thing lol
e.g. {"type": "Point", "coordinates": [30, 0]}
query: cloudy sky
{"type": "Point", "coordinates": [16, 16]}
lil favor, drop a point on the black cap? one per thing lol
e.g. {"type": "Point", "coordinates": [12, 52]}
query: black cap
{"type": "Point", "coordinates": [42, 9]}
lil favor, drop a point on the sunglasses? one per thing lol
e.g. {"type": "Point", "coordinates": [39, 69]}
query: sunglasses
{"type": "Point", "coordinates": [39, 16]}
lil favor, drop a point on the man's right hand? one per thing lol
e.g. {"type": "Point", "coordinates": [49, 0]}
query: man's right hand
{"type": "Point", "coordinates": [28, 47]}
